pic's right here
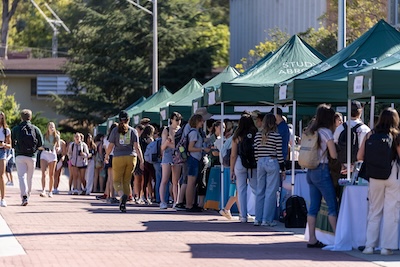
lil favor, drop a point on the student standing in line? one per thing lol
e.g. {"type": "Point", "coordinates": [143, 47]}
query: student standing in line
{"type": "Point", "coordinates": [268, 152]}
{"type": "Point", "coordinates": [242, 175]}
{"type": "Point", "coordinates": [384, 195]}
{"type": "Point", "coordinates": [319, 179]}
{"type": "Point", "coordinates": [5, 144]}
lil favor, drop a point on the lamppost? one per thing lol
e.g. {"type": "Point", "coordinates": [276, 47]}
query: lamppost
{"type": "Point", "coordinates": [341, 25]}
{"type": "Point", "coordinates": [155, 39]}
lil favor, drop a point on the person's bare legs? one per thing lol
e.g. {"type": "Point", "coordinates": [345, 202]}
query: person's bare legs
{"type": "Point", "coordinates": [311, 229]}
{"type": "Point", "coordinates": [190, 191]}
{"type": "Point", "coordinates": [96, 179]}
{"type": "Point", "coordinates": [2, 172]}
{"type": "Point", "coordinates": [176, 174]}
{"type": "Point", "coordinates": [166, 173]}
{"type": "Point", "coordinates": [82, 179]}
{"type": "Point", "coordinates": [137, 185]}
{"type": "Point", "coordinates": [43, 166]}
{"type": "Point", "coordinates": [57, 175]}
{"type": "Point", "coordinates": [52, 168]}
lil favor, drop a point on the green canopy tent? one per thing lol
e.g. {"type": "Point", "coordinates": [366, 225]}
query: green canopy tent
{"type": "Point", "coordinates": [184, 106]}
{"type": "Point", "coordinates": [327, 82]}
{"type": "Point", "coordinates": [153, 112]}
{"type": "Point", "coordinates": [256, 85]}
{"type": "Point", "coordinates": [130, 108]}
{"type": "Point", "coordinates": [160, 96]}
{"type": "Point", "coordinates": [378, 82]}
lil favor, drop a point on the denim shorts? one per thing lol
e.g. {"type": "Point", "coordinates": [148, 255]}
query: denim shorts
{"type": "Point", "coordinates": [321, 185]}
{"type": "Point", "coordinates": [3, 153]}
{"type": "Point", "coordinates": [193, 166]}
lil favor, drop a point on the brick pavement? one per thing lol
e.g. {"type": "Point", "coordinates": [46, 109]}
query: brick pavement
{"type": "Point", "coordinates": [79, 230]}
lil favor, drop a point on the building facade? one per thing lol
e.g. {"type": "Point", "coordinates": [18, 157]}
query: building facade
{"type": "Point", "coordinates": [34, 81]}
{"type": "Point", "coordinates": [251, 20]}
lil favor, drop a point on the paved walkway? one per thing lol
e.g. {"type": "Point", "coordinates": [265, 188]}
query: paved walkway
{"type": "Point", "coordinates": [80, 231]}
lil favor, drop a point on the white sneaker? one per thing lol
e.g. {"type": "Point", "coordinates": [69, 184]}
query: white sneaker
{"type": "Point", "coordinates": [386, 251]}
{"type": "Point", "coordinates": [163, 205]}
{"type": "Point", "coordinates": [50, 194]}
{"type": "Point", "coordinates": [43, 194]}
{"type": "Point", "coordinates": [3, 203]}
{"type": "Point", "coordinates": [226, 213]}
{"type": "Point", "coordinates": [368, 250]}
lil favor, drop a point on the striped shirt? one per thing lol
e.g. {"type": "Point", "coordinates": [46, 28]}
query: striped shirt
{"type": "Point", "coordinates": [272, 148]}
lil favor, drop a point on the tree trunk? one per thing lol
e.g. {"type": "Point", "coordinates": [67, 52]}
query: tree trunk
{"type": "Point", "coordinates": [6, 16]}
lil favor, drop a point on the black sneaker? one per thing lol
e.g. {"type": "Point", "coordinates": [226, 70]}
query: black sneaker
{"type": "Point", "coordinates": [122, 204]}
{"type": "Point", "coordinates": [194, 209]}
{"type": "Point", "coordinates": [180, 206]}
{"type": "Point", "coordinates": [24, 201]}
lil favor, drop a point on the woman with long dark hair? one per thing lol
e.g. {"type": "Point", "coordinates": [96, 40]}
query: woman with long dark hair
{"type": "Point", "coordinates": [319, 179]}
{"type": "Point", "coordinates": [240, 174]}
{"type": "Point", "coordinates": [268, 152]}
{"type": "Point", "coordinates": [383, 195]}
{"type": "Point", "coordinates": [124, 140]}
{"type": "Point", "coordinates": [168, 168]}
{"type": "Point", "coordinates": [89, 175]}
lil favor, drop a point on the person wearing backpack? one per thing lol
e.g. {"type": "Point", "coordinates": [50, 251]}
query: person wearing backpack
{"type": "Point", "coordinates": [196, 149]}
{"type": "Point", "coordinates": [319, 178]}
{"type": "Point", "coordinates": [360, 131]}
{"type": "Point", "coordinates": [168, 144]}
{"type": "Point", "coordinates": [381, 147]}
{"type": "Point", "coordinates": [243, 163]}
{"type": "Point", "coordinates": [124, 142]}
{"type": "Point", "coordinates": [268, 153]}
{"type": "Point", "coordinates": [26, 139]}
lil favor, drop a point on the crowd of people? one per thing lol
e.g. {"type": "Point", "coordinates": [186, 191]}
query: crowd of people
{"type": "Point", "coordinates": [175, 173]}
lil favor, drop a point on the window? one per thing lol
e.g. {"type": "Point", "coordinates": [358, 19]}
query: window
{"type": "Point", "coordinates": [394, 13]}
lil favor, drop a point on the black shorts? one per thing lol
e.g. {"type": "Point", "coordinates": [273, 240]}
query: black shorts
{"type": "Point", "coordinates": [109, 164]}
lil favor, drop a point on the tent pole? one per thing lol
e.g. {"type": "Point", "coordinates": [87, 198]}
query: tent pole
{"type": "Point", "coordinates": [392, 105]}
{"type": "Point", "coordinates": [222, 166]}
{"type": "Point", "coordinates": [348, 138]}
{"type": "Point", "coordinates": [293, 135]}
{"type": "Point", "coordinates": [372, 113]}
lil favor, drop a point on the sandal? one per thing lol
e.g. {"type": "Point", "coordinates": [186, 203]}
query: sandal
{"type": "Point", "coordinates": [317, 244]}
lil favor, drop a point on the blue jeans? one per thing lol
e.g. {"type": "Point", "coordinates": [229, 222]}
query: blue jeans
{"type": "Point", "coordinates": [242, 174]}
{"type": "Point", "coordinates": [267, 186]}
{"type": "Point", "coordinates": [321, 185]}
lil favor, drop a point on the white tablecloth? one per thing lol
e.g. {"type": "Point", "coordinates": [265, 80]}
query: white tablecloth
{"type": "Point", "coordinates": [352, 222]}
{"type": "Point", "coordinates": [301, 187]}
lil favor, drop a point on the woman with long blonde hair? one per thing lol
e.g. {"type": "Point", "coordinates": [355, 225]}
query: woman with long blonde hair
{"type": "Point", "coordinates": [48, 157]}
{"type": "Point", "coordinates": [5, 143]}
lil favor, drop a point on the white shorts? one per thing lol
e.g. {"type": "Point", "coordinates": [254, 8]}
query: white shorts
{"type": "Point", "coordinates": [48, 156]}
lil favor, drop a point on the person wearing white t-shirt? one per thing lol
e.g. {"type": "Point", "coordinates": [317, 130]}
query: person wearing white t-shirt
{"type": "Point", "coordinates": [5, 143]}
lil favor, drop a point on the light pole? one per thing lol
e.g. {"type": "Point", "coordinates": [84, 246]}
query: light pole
{"type": "Point", "coordinates": [155, 39]}
{"type": "Point", "coordinates": [341, 25]}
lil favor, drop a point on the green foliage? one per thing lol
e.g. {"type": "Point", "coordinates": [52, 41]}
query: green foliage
{"type": "Point", "coordinates": [9, 106]}
{"type": "Point", "coordinates": [111, 54]}
{"type": "Point", "coordinates": [277, 39]}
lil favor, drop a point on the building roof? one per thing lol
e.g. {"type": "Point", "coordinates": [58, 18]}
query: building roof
{"type": "Point", "coordinates": [34, 66]}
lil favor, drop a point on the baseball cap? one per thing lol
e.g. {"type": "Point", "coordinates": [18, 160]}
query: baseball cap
{"type": "Point", "coordinates": [204, 113]}
{"type": "Point", "coordinates": [123, 115]}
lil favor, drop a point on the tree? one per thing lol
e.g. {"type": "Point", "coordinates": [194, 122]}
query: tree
{"type": "Point", "coordinates": [9, 106]}
{"type": "Point", "coordinates": [111, 54]}
{"type": "Point", "coordinates": [325, 38]}
{"type": "Point", "coordinates": [7, 13]}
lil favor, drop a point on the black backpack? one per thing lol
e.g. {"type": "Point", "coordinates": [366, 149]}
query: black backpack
{"type": "Point", "coordinates": [379, 155]}
{"type": "Point", "coordinates": [341, 146]}
{"type": "Point", "coordinates": [246, 152]}
{"type": "Point", "coordinates": [27, 141]}
{"type": "Point", "coordinates": [296, 212]}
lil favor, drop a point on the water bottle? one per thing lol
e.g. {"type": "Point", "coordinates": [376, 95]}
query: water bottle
{"type": "Point", "coordinates": [183, 152]}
